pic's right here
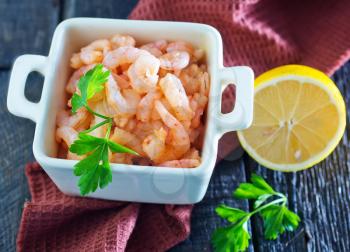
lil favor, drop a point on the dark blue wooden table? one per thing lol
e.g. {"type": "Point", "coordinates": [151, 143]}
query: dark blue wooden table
{"type": "Point", "coordinates": [321, 195]}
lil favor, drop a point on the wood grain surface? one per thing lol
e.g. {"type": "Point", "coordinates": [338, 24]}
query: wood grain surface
{"type": "Point", "coordinates": [321, 195]}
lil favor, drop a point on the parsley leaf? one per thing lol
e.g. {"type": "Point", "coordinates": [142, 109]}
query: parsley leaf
{"type": "Point", "coordinates": [115, 147]}
{"type": "Point", "coordinates": [94, 170]}
{"type": "Point", "coordinates": [233, 238]}
{"type": "Point", "coordinates": [89, 84]}
{"type": "Point", "coordinates": [268, 203]}
{"type": "Point", "coordinates": [253, 190]}
{"type": "Point", "coordinates": [90, 170]}
{"type": "Point", "coordinates": [277, 219]}
{"type": "Point", "coordinates": [231, 214]}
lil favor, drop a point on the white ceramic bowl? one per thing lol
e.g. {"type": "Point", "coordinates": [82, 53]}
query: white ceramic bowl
{"type": "Point", "coordinates": [130, 182]}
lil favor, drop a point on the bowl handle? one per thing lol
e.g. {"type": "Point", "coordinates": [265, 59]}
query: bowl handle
{"type": "Point", "coordinates": [17, 103]}
{"type": "Point", "coordinates": [242, 115]}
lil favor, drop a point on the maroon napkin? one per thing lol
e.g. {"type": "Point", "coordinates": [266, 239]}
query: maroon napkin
{"type": "Point", "coordinates": [53, 221]}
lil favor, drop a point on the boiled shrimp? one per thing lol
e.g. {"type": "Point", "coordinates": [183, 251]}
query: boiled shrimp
{"type": "Point", "coordinates": [144, 129]}
{"type": "Point", "coordinates": [180, 46]}
{"type": "Point", "coordinates": [79, 120]}
{"type": "Point", "coordinates": [192, 153]}
{"type": "Point", "coordinates": [181, 163]}
{"type": "Point", "coordinates": [154, 144]}
{"type": "Point", "coordinates": [175, 93]}
{"type": "Point", "coordinates": [198, 104]}
{"type": "Point", "coordinates": [116, 99]}
{"type": "Point", "coordinates": [127, 139]}
{"type": "Point", "coordinates": [121, 158]}
{"type": "Point", "coordinates": [120, 40]}
{"type": "Point", "coordinates": [195, 80]}
{"type": "Point", "coordinates": [73, 80]}
{"type": "Point", "coordinates": [155, 48]}
{"type": "Point", "coordinates": [195, 54]}
{"type": "Point", "coordinates": [94, 52]}
{"type": "Point", "coordinates": [143, 73]}
{"type": "Point", "coordinates": [75, 61]}
{"type": "Point", "coordinates": [174, 60]}
{"type": "Point", "coordinates": [122, 80]}
{"type": "Point", "coordinates": [145, 106]}
{"type": "Point", "coordinates": [68, 135]}
{"type": "Point", "coordinates": [122, 55]}
{"type": "Point", "coordinates": [178, 142]}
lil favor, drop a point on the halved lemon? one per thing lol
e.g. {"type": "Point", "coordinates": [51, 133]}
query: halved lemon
{"type": "Point", "coordinates": [299, 118]}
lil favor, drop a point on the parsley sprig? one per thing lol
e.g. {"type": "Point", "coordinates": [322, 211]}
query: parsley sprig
{"type": "Point", "coordinates": [269, 204]}
{"type": "Point", "coordinates": [94, 170]}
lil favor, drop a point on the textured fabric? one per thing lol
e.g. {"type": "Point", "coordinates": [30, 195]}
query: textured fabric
{"type": "Point", "coordinates": [264, 34]}
{"type": "Point", "coordinates": [53, 221]}
{"type": "Point", "coordinates": [260, 34]}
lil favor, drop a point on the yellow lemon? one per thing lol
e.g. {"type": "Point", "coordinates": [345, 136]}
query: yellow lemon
{"type": "Point", "coordinates": [299, 118]}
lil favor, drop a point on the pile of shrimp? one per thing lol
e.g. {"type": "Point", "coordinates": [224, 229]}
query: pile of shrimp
{"type": "Point", "coordinates": [157, 94]}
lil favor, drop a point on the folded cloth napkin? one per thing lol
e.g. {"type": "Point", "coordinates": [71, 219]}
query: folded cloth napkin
{"type": "Point", "coordinates": [53, 221]}
{"type": "Point", "coordinates": [261, 34]}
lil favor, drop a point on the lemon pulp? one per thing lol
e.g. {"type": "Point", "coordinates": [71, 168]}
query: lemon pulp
{"type": "Point", "coordinates": [299, 118]}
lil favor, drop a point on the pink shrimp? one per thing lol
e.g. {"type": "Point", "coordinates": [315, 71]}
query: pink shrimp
{"type": "Point", "coordinates": [177, 138]}
{"type": "Point", "coordinates": [93, 53]}
{"type": "Point", "coordinates": [192, 153]}
{"type": "Point", "coordinates": [120, 158]}
{"type": "Point", "coordinates": [195, 80]}
{"type": "Point", "coordinates": [144, 129]}
{"type": "Point", "coordinates": [155, 48]}
{"type": "Point", "coordinates": [143, 73]}
{"type": "Point", "coordinates": [127, 139]}
{"type": "Point", "coordinates": [120, 40]}
{"type": "Point", "coordinates": [174, 92]}
{"type": "Point", "coordinates": [75, 61]}
{"type": "Point", "coordinates": [80, 120]}
{"type": "Point", "coordinates": [198, 104]}
{"type": "Point", "coordinates": [116, 99]}
{"type": "Point", "coordinates": [174, 60]}
{"type": "Point", "coordinates": [121, 80]}
{"type": "Point", "coordinates": [122, 55]}
{"type": "Point", "coordinates": [68, 135]}
{"type": "Point", "coordinates": [154, 144]}
{"type": "Point", "coordinates": [181, 163]}
{"type": "Point", "coordinates": [73, 81]}
{"type": "Point", "coordinates": [144, 108]}
{"type": "Point", "coordinates": [180, 46]}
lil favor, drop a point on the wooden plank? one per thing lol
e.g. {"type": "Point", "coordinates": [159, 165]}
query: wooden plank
{"type": "Point", "coordinates": [227, 176]}
{"type": "Point", "coordinates": [26, 27]}
{"type": "Point", "coordinates": [320, 196]}
{"type": "Point", "coordinates": [16, 137]}
{"type": "Point", "coordinates": [96, 8]}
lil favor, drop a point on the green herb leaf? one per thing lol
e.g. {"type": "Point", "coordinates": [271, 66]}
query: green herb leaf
{"type": "Point", "coordinates": [233, 238]}
{"type": "Point", "coordinates": [94, 170]}
{"type": "Point", "coordinates": [277, 219]}
{"type": "Point", "coordinates": [98, 78]}
{"type": "Point", "coordinates": [276, 216]}
{"type": "Point", "coordinates": [91, 168]}
{"type": "Point", "coordinates": [89, 84]}
{"type": "Point", "coordinates": [253, 190]}
{"type": "Point", "coordinates": [115, 147]}
{"type": "Point", "coordinates": [231, 214]}
{"type": "Point", "coordinates": [85, 143]}
{"type": "Point", "coordinates": [261, 199]}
